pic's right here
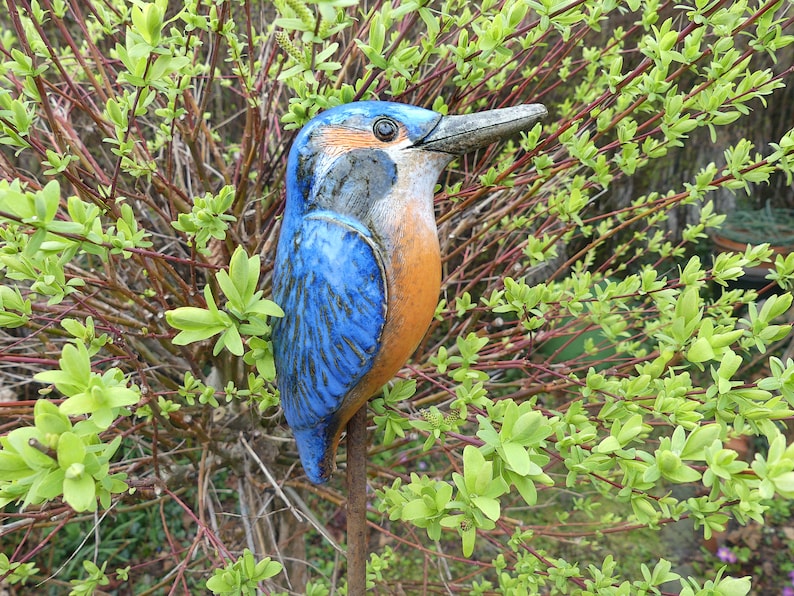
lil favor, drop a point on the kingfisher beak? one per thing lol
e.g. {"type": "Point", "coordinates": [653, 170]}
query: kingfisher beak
{"type": "Point", "coordinates": [457, 135]}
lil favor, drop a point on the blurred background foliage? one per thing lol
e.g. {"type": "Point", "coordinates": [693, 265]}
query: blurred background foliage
{"type": "Point", "coordinates": [601, 386]}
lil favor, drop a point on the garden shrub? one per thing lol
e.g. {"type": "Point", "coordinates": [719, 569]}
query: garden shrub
{"type": "Point", "coordinates": [590, 360]}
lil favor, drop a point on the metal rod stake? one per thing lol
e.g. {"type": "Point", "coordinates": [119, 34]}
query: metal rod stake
{"type": "Point", "coordinates": [357, 544]}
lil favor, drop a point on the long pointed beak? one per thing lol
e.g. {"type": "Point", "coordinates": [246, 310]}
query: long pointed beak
{"type": "Point", "coordinates": [460, 134]}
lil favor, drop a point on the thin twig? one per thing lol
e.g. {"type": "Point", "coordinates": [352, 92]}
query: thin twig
{"type": "Point", "coordinates": [80, 546]}
{"type": "Point", "coordinates": [270, 478]}
{"type": "Point", "coordinates": [312, 519]}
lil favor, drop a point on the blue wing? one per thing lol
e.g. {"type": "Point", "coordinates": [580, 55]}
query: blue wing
{"type": "Point", "coordinates": [330, 282]}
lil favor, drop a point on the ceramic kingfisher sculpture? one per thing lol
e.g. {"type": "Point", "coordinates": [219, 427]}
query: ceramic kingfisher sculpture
{"type": "Point", "coordinates": [358, 268]}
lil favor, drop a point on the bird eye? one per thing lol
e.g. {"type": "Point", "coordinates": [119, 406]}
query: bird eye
{"type": "Point", "coordinates": [385, 129]}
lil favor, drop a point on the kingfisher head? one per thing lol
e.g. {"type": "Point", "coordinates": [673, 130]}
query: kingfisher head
{"type": "Point", "coordinates": [354, 159]}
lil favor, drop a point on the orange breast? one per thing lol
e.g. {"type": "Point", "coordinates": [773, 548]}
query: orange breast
{"type": "Point", "coordinates": [413, 272]}
{"type": "Point", "coordinates": [414, 282]}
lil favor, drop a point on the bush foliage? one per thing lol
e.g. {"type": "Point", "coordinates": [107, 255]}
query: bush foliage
{"type": "Point", "coordinates": [588, 372]}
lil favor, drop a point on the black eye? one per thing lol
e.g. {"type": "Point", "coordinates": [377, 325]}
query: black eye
{"type": "Point", "coordinates": [385, 129]}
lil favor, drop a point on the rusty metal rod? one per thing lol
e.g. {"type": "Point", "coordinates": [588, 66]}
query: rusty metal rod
{"type": "Point", "coordinates": [357, 544]}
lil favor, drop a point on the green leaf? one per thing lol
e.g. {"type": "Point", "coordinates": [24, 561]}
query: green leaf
{"type": "Point", "coordinates": [231, 290]}
{"type": "Point", "coordinates": [477, 472]}
{"type": "Point", "coordinates": [220, 583]}
{"type": "Point", "coordinates": [120, 396]}
{"type": "Point", "coordinates": [630, 429]}
{"type": "Point", "coordinates": [416, 509]}
{"type": "Point", "coordinates": [468, 538]}
{"type": "Point", "coordinates": [526, 487]}
{"type": "Point", "coordinates": [609, 444]}
{"type": "Point", "coordinates": [517, 457]}
{"type": "Point", "coordinates": [49, 419]}
{"type": "Point", "coordinates": [244, 273]}
{"type": "Point", "coordinates": [80, 403]}
{"type": "Point", "coordinates": [196, 324]}
{"type": "Point", "coordinates": [531, 428]}
{"type": "Point", "coordinates": [76, 363]}
{"type": "Point", "coordinates": [47, 487]}
{"type": "Point", "coordinates": [147, 20]}
{"type": "Point", "coordinates": [267, 308]}
{"type": "Point", "coordinates": [734, 586]}
{"type": "Point", "coordinates": [784, 484]}
{"type": "Point", "coordinates": [490, 507]}
{"type": "Point", "coordinates": [191, 318]}
{"type": "Point", "coordinates": [698, 440]}
{"type": "Point", "coordinates": [79, 491]}
{"type": "Point", "coordinates": [71, 450]}
{"type": "Point", "coordinates": [13, 467]}
{"type": "Point", "coordinates": [701, 351]}
{"type": "Point", "coordinates": [231, 340]}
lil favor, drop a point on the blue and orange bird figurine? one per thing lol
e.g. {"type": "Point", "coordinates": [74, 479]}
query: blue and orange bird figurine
{"type": "Point", "coordinates": [358, 267]}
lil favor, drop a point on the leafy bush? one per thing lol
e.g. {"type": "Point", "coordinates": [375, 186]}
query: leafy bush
{"type": "Point", "coordinates": [588, 364]}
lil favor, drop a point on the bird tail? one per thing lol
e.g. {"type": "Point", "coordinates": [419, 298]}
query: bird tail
{"type": "Point", "coordinates": [317, 450]}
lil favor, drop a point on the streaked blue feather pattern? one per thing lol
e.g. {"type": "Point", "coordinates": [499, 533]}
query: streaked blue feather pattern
{"type": "Point", "coordinates": [333, 290]}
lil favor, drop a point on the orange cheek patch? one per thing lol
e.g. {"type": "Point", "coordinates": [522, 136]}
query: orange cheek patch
{"type": "Point", "coordinates": [338, 139]}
